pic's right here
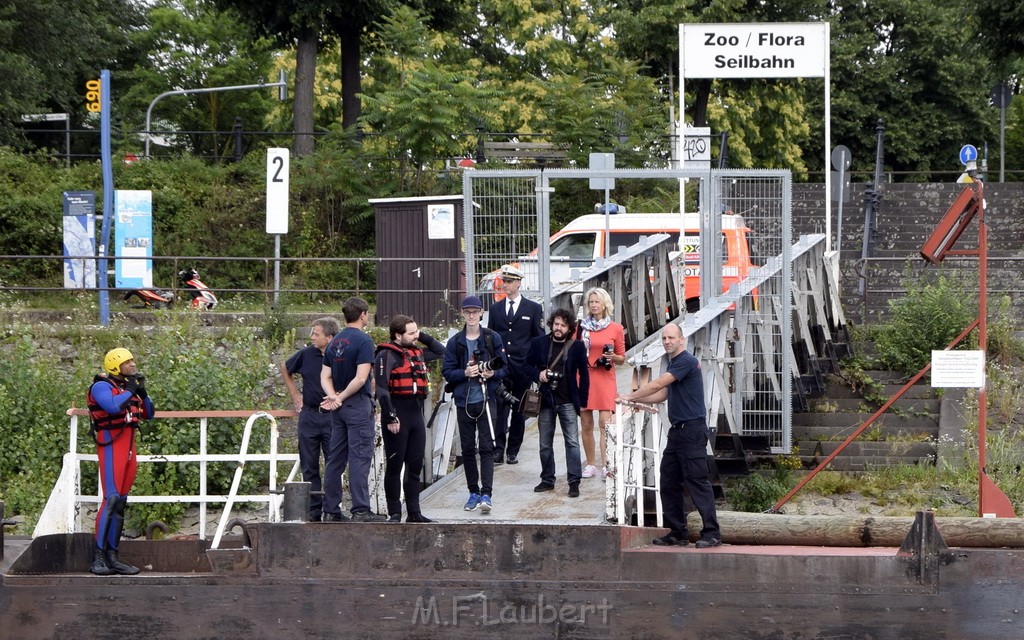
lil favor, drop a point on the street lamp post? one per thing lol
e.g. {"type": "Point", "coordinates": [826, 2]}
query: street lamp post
{"type": "Point", "coordinates": [282, 93]}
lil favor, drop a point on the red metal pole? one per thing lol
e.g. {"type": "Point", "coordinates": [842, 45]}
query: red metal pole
{"type": "Point", "coordinates": [853, 436]}
{"type": "Point", "coordinates": [992, 502]}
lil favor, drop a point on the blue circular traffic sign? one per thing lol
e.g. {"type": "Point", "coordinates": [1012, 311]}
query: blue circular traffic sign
{"type": "Point", "coordinates": [968, 153]}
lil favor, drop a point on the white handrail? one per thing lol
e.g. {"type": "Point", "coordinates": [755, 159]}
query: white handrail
{"type": "Point", "coordinates": [631, 432]}
{"type": "Point", "coordinates": [62, 508]}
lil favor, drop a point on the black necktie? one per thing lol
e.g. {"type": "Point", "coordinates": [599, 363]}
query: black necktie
{"type": "Point", "coordinates": [511, 309]}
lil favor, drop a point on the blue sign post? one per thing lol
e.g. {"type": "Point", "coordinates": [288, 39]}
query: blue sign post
{"type": "Point", "coordinates": [108, 196]}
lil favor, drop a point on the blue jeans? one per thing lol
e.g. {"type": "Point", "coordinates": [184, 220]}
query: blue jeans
{"type": "Point", "coordinates": [352, 432]}
{"type": "Point", "coordinates": [567, 418]}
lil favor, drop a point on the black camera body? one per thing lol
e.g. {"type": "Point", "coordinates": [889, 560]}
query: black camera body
{"type": "Point", "coordinates": [604, 360]}
{"type": "Point", "coordinates": [505, 395]}
{"type": "Point", "coordinates": [554, 378]}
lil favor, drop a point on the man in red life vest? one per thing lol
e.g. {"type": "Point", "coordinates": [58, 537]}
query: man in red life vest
{"type": "Point", "coordinates": [117, 401]}
{"type": "Point", "coordinates": [400, 371]}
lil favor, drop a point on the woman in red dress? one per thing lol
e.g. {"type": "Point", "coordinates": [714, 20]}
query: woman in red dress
{"type": "Point", "coordinates": [606, 348]}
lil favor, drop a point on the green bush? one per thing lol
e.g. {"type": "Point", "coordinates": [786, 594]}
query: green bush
{"type": "Point", "coordinates": [930, 316]}
{"type": "Point", "coordinates": [759, 492]}
{"type": "Point", "coordinates": [187, 366]}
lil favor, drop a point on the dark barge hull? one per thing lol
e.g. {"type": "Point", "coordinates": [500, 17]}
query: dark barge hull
{"type": "Point", "coordinates": [486, 580]}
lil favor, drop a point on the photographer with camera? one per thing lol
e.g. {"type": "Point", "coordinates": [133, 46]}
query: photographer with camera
{"type": "Point", "coordinates": [559, 364]}
{"type": "Point", "coordinates": [474, 367]}
{"type": "Point", "coordinates": [518, 321]}
{"type": "Point", "coordinates": [606, 348]}
{"type": "Point", "coordinates": [400, 371]}
{"type": "Point", "coordinates": [117, 401]}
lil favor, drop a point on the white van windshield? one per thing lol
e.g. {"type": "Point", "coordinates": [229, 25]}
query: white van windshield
{"type": "Point", "coordinates": [575, 246]}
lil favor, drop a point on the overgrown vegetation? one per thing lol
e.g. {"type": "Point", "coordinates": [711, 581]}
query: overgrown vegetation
{"type": "Point", "coordinates": [187, 367]}
{"type": "Point", "coordinates": [929, 317]}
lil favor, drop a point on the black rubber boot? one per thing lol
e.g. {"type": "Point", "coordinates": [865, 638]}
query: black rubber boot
{"type": "Point", "coordinates": [99, 564]}
{"type": "Point", "coordinates": [116, 566]}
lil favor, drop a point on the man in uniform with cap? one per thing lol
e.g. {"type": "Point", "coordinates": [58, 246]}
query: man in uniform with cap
{"type": "Point", "coordinates": [518, 321]}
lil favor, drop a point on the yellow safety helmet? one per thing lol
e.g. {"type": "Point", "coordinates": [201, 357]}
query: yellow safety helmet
{"type": "Point", "coordinates": [114, 359]}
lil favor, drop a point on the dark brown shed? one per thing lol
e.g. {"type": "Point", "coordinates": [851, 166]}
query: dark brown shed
{"type": "Point", "coordinates": [421, 245]}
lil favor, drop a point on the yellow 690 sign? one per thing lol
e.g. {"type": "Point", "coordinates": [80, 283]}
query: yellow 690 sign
{"type": "Point", "coordinates": [92, 95]}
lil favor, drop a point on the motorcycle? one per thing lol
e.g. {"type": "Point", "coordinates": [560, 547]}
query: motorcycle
{"type": "Point", "coordinates": [151, 298]}
{"type": "Point", "coordinates": [202, 298]}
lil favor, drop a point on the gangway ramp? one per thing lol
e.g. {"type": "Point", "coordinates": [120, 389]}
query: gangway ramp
{"type": "Point", "coordinates": [514, 499]}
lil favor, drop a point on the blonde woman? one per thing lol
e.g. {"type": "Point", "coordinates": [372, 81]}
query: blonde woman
{"type": "Point", "coordinates": [606, 348]}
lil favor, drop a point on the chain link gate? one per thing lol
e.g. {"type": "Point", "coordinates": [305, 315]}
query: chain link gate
{"type": "Point", "coordinates": [507, 216]}
{"type": "Point", "coordinates": [763, 321]}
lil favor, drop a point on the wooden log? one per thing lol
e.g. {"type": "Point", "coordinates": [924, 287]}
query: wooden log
{"type": "Point", "coordinates": [859, 531]}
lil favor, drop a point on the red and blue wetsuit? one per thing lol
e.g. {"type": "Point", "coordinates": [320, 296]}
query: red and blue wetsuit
{"type": "Point", "coordinates": [115, 413]}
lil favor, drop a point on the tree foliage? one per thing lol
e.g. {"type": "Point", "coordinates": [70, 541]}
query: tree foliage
{"type": "Point", "coordinates": [916, 65]}
{"type": "Point", "coordinates": [191, 45]}
{"type": "Point", "coordinates": [49, 49]}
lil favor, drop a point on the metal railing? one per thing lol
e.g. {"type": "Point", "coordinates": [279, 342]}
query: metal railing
{"type": "Point", "coordinates": [60, 515]}
{"type": "Point", "coordinates": [364, 273]}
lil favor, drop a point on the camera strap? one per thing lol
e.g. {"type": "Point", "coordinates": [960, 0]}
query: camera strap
{"type": "Point", "coordinates": [561, 354]}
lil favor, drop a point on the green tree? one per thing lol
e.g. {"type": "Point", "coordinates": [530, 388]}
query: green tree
{"type": "Point", "coordinates": [192, 45]}
{"type": "Point", "coordinates": [49, 49]}
{"type": "Point", "coordinates": [919, 66]}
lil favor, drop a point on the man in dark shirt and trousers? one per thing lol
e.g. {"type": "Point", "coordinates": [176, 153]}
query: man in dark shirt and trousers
{"type": "Point", "coordinates": [314, 422]}
{"type": "Point", "coordinates": [518, 321]}
{"type": "Point", "coordinates": [564, 384]}
{"type": "Point", "coordinates": [473, 392]}
{"type": "Point", "coordinates": [345, 376]}
{"type": "Point", "coordinates": [684, 461]}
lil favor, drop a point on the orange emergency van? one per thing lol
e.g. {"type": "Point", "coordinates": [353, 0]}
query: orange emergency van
{"type": "Point", "coordinates": [582, 242]}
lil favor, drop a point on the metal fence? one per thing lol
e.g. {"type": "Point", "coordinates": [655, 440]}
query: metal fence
{"type": "Point", "coordinates": [763, 320]}
{"type": "Point", "coordinates": [507, 215]}
{"type": "Point", "coordinates": [364, 279]}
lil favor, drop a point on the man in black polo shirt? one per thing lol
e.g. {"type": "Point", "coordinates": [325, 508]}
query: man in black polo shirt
{"type": "Point", "coordinates": [684, 461]}
{"type": "Point", "coordinates": [314, 422]}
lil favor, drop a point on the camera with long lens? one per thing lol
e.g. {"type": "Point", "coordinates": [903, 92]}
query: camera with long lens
{"type": "Point", "coordinates": [487, 365]}
{"type": "Point", "coordinates": [554, 378]}
{"type": "Point", "coordinates": [605, 359]}
{"type": "Point", "coordinates": [505, 395]}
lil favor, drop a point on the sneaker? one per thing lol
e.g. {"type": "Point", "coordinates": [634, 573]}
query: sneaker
{"type": "Point", "coordinates": [336, 517]}
{"type": "Point", "coordinates": [512, 458]}
{"type": "Point", "coordinates": [574, 490]}
{"type": "Point", "coordinates": [499, 456]}
{"type": "Point", "coordinates": [418, 517]}
{"type": "Point", "coordinates": [590, 471]}
{"type": "Point", "coordinates": [395, 517]}
{"type": "Point", "coordinates": [543, 486]}
{"type": "Point", "coordinates": [485, 504]}
{"type": "Point", "coordinates": [670, 540]}
{"type": "Point", "coordinates": [708, 543]}
{"type": "Point", "coordinates": [473, 502]}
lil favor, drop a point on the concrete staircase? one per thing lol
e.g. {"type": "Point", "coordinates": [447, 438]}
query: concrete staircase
{"type": "Point", "coordinates": [906, 434]}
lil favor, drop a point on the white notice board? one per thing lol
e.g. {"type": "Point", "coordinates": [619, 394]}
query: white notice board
{"type": "Point", "coordinates": [958, 369]}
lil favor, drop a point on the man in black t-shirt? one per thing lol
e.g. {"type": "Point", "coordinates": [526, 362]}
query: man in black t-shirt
{"type": "Point", "coordinates": [684, 461]}
{"type": "Point", "coordinates": [314, 422]}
